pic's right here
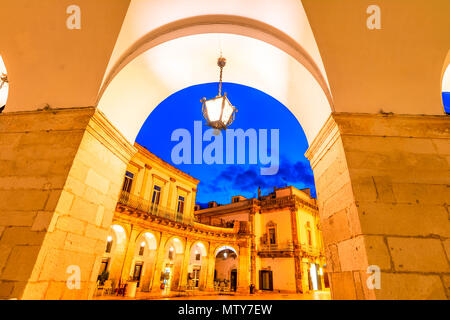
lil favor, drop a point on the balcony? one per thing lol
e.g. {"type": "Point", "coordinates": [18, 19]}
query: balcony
{"type": "Point", "coordinates": [145, 206]}
{"type": "Point", "coordinates": [310, 250]}
{"type": "Point", "coordinates": [287, 246]}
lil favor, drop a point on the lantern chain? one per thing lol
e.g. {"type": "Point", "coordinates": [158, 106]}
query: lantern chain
{"type": "Point", "coordinates": [221, 63]}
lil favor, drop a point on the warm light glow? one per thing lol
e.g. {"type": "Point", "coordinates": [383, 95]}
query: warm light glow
{"type": "Point", "coordinates": [225, 255]}
{"type": "Point", "coordinates": [143, 244]}
{"type": "Point", "coordinates": [446, 80]}
{"type": "Point", "coordinates": [110, 238]}
{"type": "Point", "coordinates": [196, 252]}
{"type": "Point", "coordinates": [163, 65]}
{"type": "Point", "coordinates": [313, 273]}
{"type": "Point", "coordinates": [321, 271]}
{"type": "Point", "coordinates": [171, 249]}
{"type": "Point", "coordinates": [214, 108]}
{"type": "Point", "coordinates": [5, 88]}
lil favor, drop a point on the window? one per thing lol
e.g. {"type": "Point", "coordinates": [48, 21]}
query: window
{"type": "Point", "coordinates": [272, 235]}
{"type": "Point", "coordinates": [156, 195]}
{"type": "Point", "coordinates": [109, 245]}
{"type": "Point", "coordinates": [137, 273]}
{"type": "Point", "coordinates": [235, 200]}
{"type": "Point", "coordinates": [309, 237]}
{"type": "Point", "coordinates": [197, 256]}
{"type": "Point", "coordinates": [128, 182]}
{"type": "Point", "coordinates": [142, 249]}
{"type": "Point", "coordinates": [308, 231]}
{"type": "Point", "coordinates": [104, 266]}
{"type": "Point", "coordinates": [180, 208]}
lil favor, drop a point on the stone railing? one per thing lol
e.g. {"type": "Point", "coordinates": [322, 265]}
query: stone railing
{"type": "Point", "coordinates": [146, 206]}
{"type": "Point", "coordinates": [286, 201]}
{"type": "Point", "coordinates": [286, 246]}
{"type": "Point", "coordinates": [310, 250]}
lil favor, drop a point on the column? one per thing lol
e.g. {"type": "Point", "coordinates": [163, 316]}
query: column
{"type": "Point", "coordinates": [252, 224]}
{"type": "Point", "coordinates": [62, 172]}
{"type": "Point", "coordinates": [143, 193]}
{"type": "Point", "coordinates": [382, 185]}
{"type": "Point", "coordinates": [129, 255]}
{"type": "Point", "coordinates": [204, 273]}
{"type": "Point", "coordinates": [159, 261]}
{"type": "Point", "coordinates": [185, 266]}
{"type": "Point", "coordinates": [244, 268]}
{"type": "Point", "coordinates": [211, 267]}
{"type": "Point", "coordinates": [171, 193]}
{"type": "Point", "coordinates": [297, 250]}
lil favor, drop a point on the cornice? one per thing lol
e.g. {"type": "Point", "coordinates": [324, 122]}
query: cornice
{"type": "Point", "coordinates": [103, 130]}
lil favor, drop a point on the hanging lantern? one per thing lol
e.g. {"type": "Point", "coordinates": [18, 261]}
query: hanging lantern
{"type": "Point", "coordinates": [219, 112]}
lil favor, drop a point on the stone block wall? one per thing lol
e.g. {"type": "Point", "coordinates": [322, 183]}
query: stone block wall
{"type": "Point", "coordinates": [383, 190]}
{"type": "Point", "coordinates": [59, 183]}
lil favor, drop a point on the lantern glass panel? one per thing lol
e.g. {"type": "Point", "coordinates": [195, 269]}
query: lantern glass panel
{"type": "Point", "coordinates": [227, 112]}
{"type": "Point", "coordinates": [214, 109]}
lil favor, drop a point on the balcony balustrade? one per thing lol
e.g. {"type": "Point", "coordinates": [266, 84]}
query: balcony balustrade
{"type": "Point", "coordinates": [149, 208]}
{"type": "Point", "coordinates": [286, 246]}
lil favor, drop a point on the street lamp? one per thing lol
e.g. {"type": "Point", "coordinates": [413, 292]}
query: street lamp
{"type": "Point", "coordinates": [219, 112]}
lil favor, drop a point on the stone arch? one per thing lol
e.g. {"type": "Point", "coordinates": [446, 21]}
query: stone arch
{"type": "Point", "coordinates": [141, 76]}
{"type": "Point", "coordinates": [225, 247]}
{"type": "Point", "coordinates": [150, 238]}
{"type": "Point", "coordinates": [229, 24]}
{"type": "Point", "coordinates": [178, 244]}
{"type": "Point", "coordinates": [201, 246]}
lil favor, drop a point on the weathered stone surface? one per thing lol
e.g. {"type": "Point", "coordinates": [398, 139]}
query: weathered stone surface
{"type": "Point", "coordinates": [408, 286]}
{"type": "Point", "coordinates": [418, 255]}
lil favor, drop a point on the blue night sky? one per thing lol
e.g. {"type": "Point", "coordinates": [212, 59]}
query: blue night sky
{"type": "Point", "coordinates": [256, 110]}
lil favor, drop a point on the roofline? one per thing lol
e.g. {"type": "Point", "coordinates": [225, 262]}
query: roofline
{"type": "Point", "coordinates": [163, 163]}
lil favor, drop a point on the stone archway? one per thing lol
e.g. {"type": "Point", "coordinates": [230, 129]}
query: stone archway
{"type": "Point", "coordinates": [144, 260]}
{"type": "Point", "coordinates": [381, 191]}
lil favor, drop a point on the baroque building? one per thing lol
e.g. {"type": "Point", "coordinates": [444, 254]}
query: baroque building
{"type": "Point", "coordinates": [287, 253]}
{"type": "Point", "coordinates": [159, 244]}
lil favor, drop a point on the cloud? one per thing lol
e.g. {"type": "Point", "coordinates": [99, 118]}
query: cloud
{"type": "Point", "coordinates": [245, 180]}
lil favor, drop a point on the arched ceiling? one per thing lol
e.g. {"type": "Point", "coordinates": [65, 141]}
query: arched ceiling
{"type": "Point", "coordinates": [287, 16]}
{"type": "Point", "coordinates": [396, 69]}
{"type": "Point", "coordinates": [187, 61]}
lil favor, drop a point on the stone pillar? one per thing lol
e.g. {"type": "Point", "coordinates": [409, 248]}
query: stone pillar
{"type": "Point", "coordinates": [148, 272]}
{"type": "Point", "coordinates": [252, 247]}
{"type": "Point", "coordinates": [244, 268]}
{"type": "Point", "coordinates": [204, 273]}
{"type": "Point", "coordinates": [129, 255]}
{"type": "Point", "coordinates": [185, 265]}
{"type": "Point", "coordinates": [159, 260]}
{"type": "Point", "coordinates": [383, 192]}
{"type": "Point", "coordinates": [297, 250]}
{"type": "Point", "coordinates": [211, 267]}
{"type": "Point", "coordinates": [171, 193]}
{"type": "Point", "coordinates": [60, 176]}
{"type": "Point", "coordinates": [143, 193]}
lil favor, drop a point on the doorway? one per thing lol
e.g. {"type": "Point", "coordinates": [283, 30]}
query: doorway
{"type": "Point", "coordinates": [266, 280]}
{"type": "Point", "coordinates": [138, 272]}
{"type": "Point", "coordinates": [233, 280]}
